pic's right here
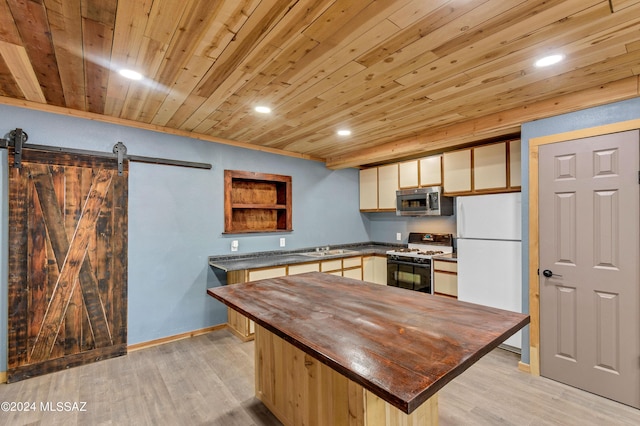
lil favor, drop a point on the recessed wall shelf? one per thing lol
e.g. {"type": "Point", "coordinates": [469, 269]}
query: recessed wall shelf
{"type": "Point", "coordinates": [256, 202]}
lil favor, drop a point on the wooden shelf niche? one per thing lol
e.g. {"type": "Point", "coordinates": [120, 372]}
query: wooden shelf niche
{"type": "Point", "coordinates": [256, 202]}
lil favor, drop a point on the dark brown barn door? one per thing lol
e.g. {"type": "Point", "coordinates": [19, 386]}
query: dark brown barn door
{"type": "Point", "coordinates": [67, 262]}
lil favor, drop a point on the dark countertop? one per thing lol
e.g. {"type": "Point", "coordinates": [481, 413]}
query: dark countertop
{"type": "Point", "coordinates": [237, 262]}
{"type": "Point", "coordinates": [449, 257]}
{"type": "Point", "coordinates": [401, 345]}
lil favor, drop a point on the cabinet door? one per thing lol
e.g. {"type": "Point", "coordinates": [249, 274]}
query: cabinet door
{"type": "Point", "coordinates": [515, 168]}
{"type": "Point", "coordinates": [445, 283]}
{"type": "Point", "coordinates": [374, 269]}
{"type": "Point", "coordinates": [408, 174]}
{"type": "Point", "coordinates": [369, 189]}
{"type": "Point", "coordinates": [431, 171]}
{"type": "Point", "coordinates": [353, 273]}
{"type": "Point", "coordinates": [457, 171]}
{"type": "Point", "coordinates": [387, 186]}
{"type": "Point", "coordinates": [490, 167]}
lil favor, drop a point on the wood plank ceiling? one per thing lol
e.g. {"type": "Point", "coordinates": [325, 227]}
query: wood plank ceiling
{"type": "Point", "coordinates": [408, 77]}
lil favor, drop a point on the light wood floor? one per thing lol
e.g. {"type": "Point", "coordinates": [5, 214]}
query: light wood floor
{"type": "Point", "coordinates": [208, 380]}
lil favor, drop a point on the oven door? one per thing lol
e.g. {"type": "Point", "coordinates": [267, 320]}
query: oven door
{"type": "Point", "coordinates": [412, 276]}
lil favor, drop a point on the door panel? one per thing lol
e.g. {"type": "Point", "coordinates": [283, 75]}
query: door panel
{"type": "Point", "coordinates": [589, 239]}
{"type": "Point", "coordinates": [68, 274]}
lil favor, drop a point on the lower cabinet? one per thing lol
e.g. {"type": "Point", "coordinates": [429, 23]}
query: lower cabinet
{"type": "Point", "coordinates": [244, 328]}
{"type": "Point", "coordinates": [352, 267]}
{"type": "Point", "coordinates": [374, 269]}
{"type": "Point", "coordinates": [445, 278]}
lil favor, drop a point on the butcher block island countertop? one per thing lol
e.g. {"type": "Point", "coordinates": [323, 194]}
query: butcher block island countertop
{"type": "Point", "coordinates": [399, 345]}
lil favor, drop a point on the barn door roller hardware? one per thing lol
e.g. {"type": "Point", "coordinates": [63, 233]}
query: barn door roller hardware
{"type": "Point", "coordinates": [18, 138]}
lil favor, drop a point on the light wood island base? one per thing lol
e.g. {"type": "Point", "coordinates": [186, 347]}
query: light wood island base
{"type": "Point", "coordinates": [300, 390]}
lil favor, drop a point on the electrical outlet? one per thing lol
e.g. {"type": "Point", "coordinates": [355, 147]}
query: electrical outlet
{"type": "Point", "coordinates": [399, 236]}
{"type": "Point", "coordinates": [282, 242]}
{"type": "Point", "coordinates": [234, 245]}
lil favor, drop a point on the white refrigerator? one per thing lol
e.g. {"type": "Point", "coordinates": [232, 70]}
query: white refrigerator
{"type": "Point", "coordinates": [489, 234]}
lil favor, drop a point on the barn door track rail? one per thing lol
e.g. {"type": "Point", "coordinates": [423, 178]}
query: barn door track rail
{"type": "Point", "coordinates": [18, 140]}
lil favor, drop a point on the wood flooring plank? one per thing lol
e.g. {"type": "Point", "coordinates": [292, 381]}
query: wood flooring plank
{"type": "Point", "coordinates": [208, 380]}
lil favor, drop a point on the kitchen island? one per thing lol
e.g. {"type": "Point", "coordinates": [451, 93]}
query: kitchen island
{"type": "Point", "coordinates": [333, 350]}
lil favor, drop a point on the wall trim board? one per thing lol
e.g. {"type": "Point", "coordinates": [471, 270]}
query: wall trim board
{"type": "Point", "coordinates": [534, 284]}
{"type": "Point", "coordinates": [18, 103]}
{"type": "Point", "coordinates": [524, 367]}
{"type": "Point", "coordinates": [174, 338]}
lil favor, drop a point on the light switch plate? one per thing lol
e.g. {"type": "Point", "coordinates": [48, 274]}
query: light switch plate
{"type": "Point", "coordinates": [282, 242]}
{"type": "Point", "coordinates": [399, 236]}
{"type": "Point", "coordinates": [234, 245]}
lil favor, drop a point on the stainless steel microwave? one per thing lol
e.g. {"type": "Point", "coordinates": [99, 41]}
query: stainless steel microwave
{"type": "Point", "coordinates": [423, 202]}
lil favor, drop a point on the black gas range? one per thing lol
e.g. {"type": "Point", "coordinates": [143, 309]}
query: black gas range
{"type": "Point", "coordinates": [410, 267]}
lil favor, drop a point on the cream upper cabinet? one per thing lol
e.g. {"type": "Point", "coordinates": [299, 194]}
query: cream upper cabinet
{"type": "Point", "coordinates": [431, 171]}
{"type": "Point", "coordinates": [408, 174]}
{"type": "Point", "coordinates": [490, 167]}
{"type": "Point", "coordinates": [369, 189]}
{"type": "Point", "coordinates": [515, 167]}
{"type": "Point", "coordinates": [387, 186]}
{"type": "Point", "coordinates": [457, 171]}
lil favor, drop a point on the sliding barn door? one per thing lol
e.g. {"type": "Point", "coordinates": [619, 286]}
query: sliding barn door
{"type": "Point", "coordinates": [67, 262]}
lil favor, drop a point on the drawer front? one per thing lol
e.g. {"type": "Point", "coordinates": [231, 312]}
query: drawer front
{"type": "Point", "coordinates": [439, 265]}
{"type": "Point", "coordinates": [302, 268]}
{"type": "Point", "coordinates": [352, 262]}
{"type": "Point", "coordinates": [261, 274]}
{"type": "Point", "coordinates": [445, 283]}
{"type": "Point", "coordinates": [331, 265]}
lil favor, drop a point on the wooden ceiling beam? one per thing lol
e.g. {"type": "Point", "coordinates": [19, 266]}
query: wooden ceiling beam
{"type": "Point", "coordinates": [494, 125]}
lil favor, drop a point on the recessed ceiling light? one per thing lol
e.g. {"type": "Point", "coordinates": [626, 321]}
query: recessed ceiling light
{"type": "Point", "coordinates": [130, 74]}
{"type": "Point", "coordinates": [263, 109]}
{"type": "Point", "coordinates": [344, 132]}
{"type": "Point", "coordinates": [549, 60]}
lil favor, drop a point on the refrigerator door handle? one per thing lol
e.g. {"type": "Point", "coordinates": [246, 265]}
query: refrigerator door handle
{"type": "Point", "coordinates": [461, 220]}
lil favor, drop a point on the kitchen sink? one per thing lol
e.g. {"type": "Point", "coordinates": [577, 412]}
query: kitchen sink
{"type": "Point", "coordinates": [325, 253]}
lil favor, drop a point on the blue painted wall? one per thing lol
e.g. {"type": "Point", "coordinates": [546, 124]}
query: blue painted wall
{"type": "Point", "coordinates": [592, 117]}
{"type": "Point", "coordinates": [176, 216]}
{"type": "Point", "coordinates": [385, 226]}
